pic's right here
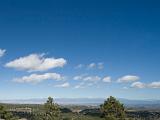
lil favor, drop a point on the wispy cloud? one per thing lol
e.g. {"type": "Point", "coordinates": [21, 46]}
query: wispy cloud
{"type": "Point", "coordinates": [80, 85]}
{"type": "Point", "coordinates": [92, 78]}
{"type": "Point", "coordinates": [36, 62]}
{"type": "Point", "coordinates": [100, 65]}
{"type": "Point", "coordinates": [78, 77]}
{"type": "Point", "coordinates": [86, 81]}
{"type": "Point", "coordinates": [128, 78]}
{"type": "Point", "coordinates": [125, 88]}
{"type": "Point", "coordinates": [138, 85]}
{"type": "Point", "coordinates": [64, 85]}
{"type": "Point", "coordinates": [79, 66]}
{"type": "Point", "coordinates": [87, 78]}
{"type": "Point", "coordinates": [2, 52]}
{"type": "Point", "coordinates": [37, 78]}
{"type": "Point", "coordinates": [90, 66]}
{"type": "Point", "coordinates": [107, 79]}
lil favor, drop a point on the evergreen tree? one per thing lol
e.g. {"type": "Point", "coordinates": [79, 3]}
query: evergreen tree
{"type": "Point", "coordinates": [112, 109]}
{"type": "Point", "coordinates": [52, 111]}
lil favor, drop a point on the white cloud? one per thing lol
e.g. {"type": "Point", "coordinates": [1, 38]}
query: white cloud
{"type": "Point", "coordinates": [77, 87]}
{"type": "Point", "coordinates": [107, 79]}
{"type": "Point", "coordinates": [128, 78]}
{"type": "Point", "coordinates": [80, 85]}
{"type": "Point", "coordinates": [154, 85]}
{"type": "Point", "coordinates": [100, 65]}
{"type": "Point", "coordinates": [2, 52]}
{"type": "Point", "coordinates": [92, 78]}
{"type": "Point", "coordinates": [138, 85]}
{"type": "Point", "coordinates": [37, 78]}
{"type": "Point", "coordinates": [90, 84]}
{"type": "Point", "coordinates": [64, 85]}
{"type": "Point", "coordinates": [86, 78]}
{"type": "Point", "coordinates": [79, 66]}
{"type": "Point", "coordinates": [86, 81]}
{"type": "Point", "coordinates": [91, 66]}
{"type": "Point", "coordinates": [143, 85]}
{"type": "Point", "coordinates": [36, 62]}
{"type": "Point", "coordinates": [78, 77]}
{"type": "Point", "coordinates": [125, 88]}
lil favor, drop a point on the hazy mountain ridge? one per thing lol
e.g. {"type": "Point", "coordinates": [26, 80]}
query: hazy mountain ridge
{"type": "Point", "coordinates": [81, 101]}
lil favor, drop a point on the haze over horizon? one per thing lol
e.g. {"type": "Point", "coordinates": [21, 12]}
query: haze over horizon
{"type": "Point", "coordinates": [79, 49]}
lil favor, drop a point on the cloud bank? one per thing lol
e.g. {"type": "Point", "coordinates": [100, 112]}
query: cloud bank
{"type": "Point", "coordinates": [36, 62]}
{"type": "Point", "coordinates": [37, 78]}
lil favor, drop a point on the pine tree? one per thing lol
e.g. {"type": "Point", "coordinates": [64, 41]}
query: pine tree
{"type": "Point", "coordinates": [52, 111]}
{"type": "Point", "coordinates": [112, 109]}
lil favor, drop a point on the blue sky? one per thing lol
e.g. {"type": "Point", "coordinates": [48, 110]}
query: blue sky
{"type": "Point", "coordinates": [79, 49]}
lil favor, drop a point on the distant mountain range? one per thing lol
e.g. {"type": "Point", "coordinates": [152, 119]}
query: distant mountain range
{"type": "Point", "coordinates": [81, 101]}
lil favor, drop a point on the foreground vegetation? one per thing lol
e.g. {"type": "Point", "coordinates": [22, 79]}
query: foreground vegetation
{"type": "Point", "coordinates": [111, 109]}
{"type": "Point", "coordinates": [4, 114]}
